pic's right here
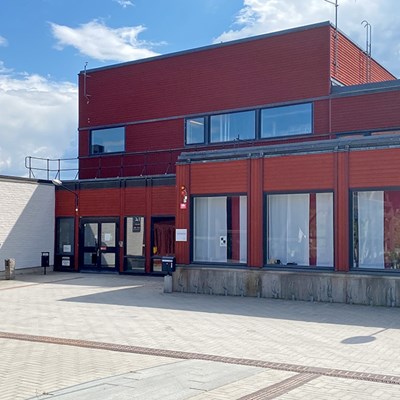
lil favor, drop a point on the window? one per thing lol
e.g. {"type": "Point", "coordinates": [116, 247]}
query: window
{"type": "Point", "coordinates": [134, 244]}
{"type": "Point", "coordinates": [286, 120]}
{"type": "Point", "coordinates": [220, 229]}
{"type": "Point", "coordinates": [110, 140]}
{"type": "Point", "coordinates": [300, 229]}
{"type": "Point", "coordinates": [65, 235]}
{"type": "Point", "coordinates": [376, 229]}
{"type": "Point", "coordinates": [195, 130]}
{"type": "Point", "coordinates": [233, 126]}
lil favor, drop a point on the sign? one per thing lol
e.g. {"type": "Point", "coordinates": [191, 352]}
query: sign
{"type": "Point", "coordinates": [65, 262]}
{"type": "Point", "coordinates": [181, 235]}
{"type": "Point", "coordinates": [183, 206]}
{"type": "Point", "coordinates": [67, 248]}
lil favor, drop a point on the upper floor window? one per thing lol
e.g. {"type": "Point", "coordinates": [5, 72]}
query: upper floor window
{"type": "Point", "coordinates": [286, 120]}
{"type": "Point", "coordinates": [109, 140]}
{"type": "Point", "coordinates": [233, 126]}
{"type": "Point", "coordinates": [195, 130]}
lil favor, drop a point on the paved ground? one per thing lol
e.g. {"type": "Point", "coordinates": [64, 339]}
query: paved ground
{"type": "Point", "coordinates": [85, 336]}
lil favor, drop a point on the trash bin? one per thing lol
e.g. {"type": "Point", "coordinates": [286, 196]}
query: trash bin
{"type": "Point", "coordinates": [168, 264]}
{"type": "Point", "coordinates": [9, 268]}
{"type": "Point", "coordinates": [45, 260]}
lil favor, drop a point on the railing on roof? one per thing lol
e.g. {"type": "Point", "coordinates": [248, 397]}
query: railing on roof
{"type": "Point", "coordinates": [52, 168]}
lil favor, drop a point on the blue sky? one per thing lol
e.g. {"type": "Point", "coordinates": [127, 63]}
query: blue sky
{"type": "Point", "coordinates": [45, 43]}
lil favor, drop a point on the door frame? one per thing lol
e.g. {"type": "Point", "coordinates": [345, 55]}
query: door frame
{"type": "Point", "coordinates": [113, 250]}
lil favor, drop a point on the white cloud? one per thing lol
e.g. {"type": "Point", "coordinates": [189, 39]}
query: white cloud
{"type": "Point", "coordinates": [38, 118]}
{"type": "Point", "coordinates": [100, 42]}
{"type": "Point", "coordinates": [3, 41]}
{"type": "Point", "coordinates": [124, 3]}
{"type": "Point", "coordinates": [264, 16]}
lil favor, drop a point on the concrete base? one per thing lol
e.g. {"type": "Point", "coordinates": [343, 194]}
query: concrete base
{"type": "Point", "coordinates": [167, 284]}
{"type": "Point", "coordinates": [20, 271]}
{"type": "Point", "coordinates": [377, 290]}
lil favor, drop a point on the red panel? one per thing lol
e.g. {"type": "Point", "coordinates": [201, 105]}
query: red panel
{"type": "Point", "coordinates": [163, 200]}
{"type": "Point", "coordinates": [255, 220]}
{"type": "Point", "coordinates": [352, 63]}
{"type": "Point", "coordinates": [135, 201]}
{"type": "Point", "coordinates": [367, 112]}
{"type": "Point", "coordinates": [305, 172]}
{"type": "Point", "coordinates": [374, 168]}
{"type": "Point", "coordinates": [219, 177]}
{"type": "Point", "coordinates": [99, 202]}
{"type": "Point", "coordinates": [260, 71]}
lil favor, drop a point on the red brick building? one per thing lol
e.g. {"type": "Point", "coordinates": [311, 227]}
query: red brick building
{"type": "Point", "coordinates": [273, 153]}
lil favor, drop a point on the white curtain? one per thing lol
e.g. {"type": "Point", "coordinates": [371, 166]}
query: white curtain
{"type": "Point", "coordinates": [324, 229]}
{"type": "Point", "coordinates": [210, 229]}
{"type": "Point", "coordinates": [288, 227]}
{"type": "Point", "coordinates": [371, 229]}
{"type": "Point", "coordinates": [243, 229]}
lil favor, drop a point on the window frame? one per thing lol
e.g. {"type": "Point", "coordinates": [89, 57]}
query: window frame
{"type": "Point", "coordinates": [352, 260]}
{"type": "Point", "coordinates": [192, 230]}
{"type": "Point", "coordinates": [257, 125]}
{"type": "Point", "coordinates": [288, 135]}
{"type": "Point", "coordinates": [266, 228]}
{"type": "Point", "coordinates": [91, 144]}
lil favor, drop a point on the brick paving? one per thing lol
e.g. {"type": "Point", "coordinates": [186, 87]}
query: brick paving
{"type": "Point", "coordinates": [88, 336]}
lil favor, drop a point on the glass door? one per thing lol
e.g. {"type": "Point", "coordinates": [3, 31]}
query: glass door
{"type": "Point", "coordinates": [99, 245]}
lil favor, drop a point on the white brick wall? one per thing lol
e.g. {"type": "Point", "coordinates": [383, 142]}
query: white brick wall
{"type": "Point", "coordinates": [26, 221]}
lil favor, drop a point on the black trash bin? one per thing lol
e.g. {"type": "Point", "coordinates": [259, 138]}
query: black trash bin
{"type": "Point", "coordinates": [168, 264]}
{"type": "Point", "coordinates": [45, 260]}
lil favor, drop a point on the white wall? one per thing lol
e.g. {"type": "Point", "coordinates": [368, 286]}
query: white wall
{"type": "Point", "coordinates": [26, 221]}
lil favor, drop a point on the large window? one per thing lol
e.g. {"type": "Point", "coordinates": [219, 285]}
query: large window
{"type": "Point", "coordinates": [110, 140]}
{"type": "Point", "coordinates": [376, 229]}
{"type": "Point", "coordinates": [233, 126]}
{"type": "Point", "coordinates": [220, 229]}
{"type": "Point", "coordinates": [286, 120]}
{"type": "Point", "coordinates": [256, 124]}
{"type": "Point", "coordinates": [300, 229]}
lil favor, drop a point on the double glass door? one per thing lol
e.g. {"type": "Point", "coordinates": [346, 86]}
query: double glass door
{"type": "Point", "coordinates": [99, 244]}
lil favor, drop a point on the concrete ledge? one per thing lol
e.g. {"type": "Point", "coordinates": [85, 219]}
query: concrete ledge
{"type": "Point", "coordinates": [377, 290]}
{"type": "Point", "coordinates": [32, 270]}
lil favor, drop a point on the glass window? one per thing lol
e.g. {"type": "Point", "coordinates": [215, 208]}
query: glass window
{"type": "Point", "coordinates": [376, 229]}
{"type": "Point", "coordinates": [233, 126]}
{"type": "Point", "coordinates": [65, 236]}
{"type": "Point", "coordinates": [286, 121]}
{"type": "Point", "coordinates": [195, 130]}
{"type": "Point", "coordinates": [135, 236]}
{"type": "Point", "coordinates": [110, 140]}
{"type": "Point", "coordinates": [220, 229]}
{"type": "Point", "coordinates": [300, 229]}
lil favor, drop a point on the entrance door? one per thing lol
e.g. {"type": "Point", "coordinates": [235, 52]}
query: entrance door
{"type": "Point", "coordinates": [99, 245]}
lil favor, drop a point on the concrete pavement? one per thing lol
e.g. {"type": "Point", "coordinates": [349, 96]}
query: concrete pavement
{"type": "Point", "coordinates": [86, 336]}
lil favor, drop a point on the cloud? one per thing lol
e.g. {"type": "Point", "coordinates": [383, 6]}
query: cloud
{"type": "Point", "coordinates": [124, 3]}
{"type": "Point", "coordinates": [100, 42]}
{"type": "Point", "coordinates": [38, 118]}
{"type": "Point", "coordinates": [3, 41]}
{"type": "Point", "coordinates": [264, 16]}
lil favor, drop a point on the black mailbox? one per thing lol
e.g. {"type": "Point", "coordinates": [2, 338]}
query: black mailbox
{"type": "Point", "coordinates": [45, 260]}
{"type": "Point", "coordinates": [168, 264]}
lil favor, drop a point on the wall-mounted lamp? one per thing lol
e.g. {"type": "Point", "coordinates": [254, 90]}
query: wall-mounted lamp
{"type": "Point", "coordinates": [57, 182]}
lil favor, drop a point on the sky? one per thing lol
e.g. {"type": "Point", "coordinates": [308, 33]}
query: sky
{"type": "Point", "coordinates": [44, 44]}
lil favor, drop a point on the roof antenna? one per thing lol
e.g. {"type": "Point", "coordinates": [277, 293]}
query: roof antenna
{"type": "Point", "coordinates": [85, 76]}
{"type": "Point", "coordinates": [335, 37]}
{"type": "Point", "coordinates": [368, 34]}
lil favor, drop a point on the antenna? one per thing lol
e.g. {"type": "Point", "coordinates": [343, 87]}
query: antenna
{"type": "Point", "coordinates": [335, 37]}
{"type": "Point", "coordinates": [368, 40]}
{"type": "Point", "coordinates": [85, 76]}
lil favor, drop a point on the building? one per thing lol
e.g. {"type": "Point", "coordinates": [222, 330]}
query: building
{"type": "Point", "coordinates": [267, 166]}
{"type": "Point", "coordinates": [27, 221]}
